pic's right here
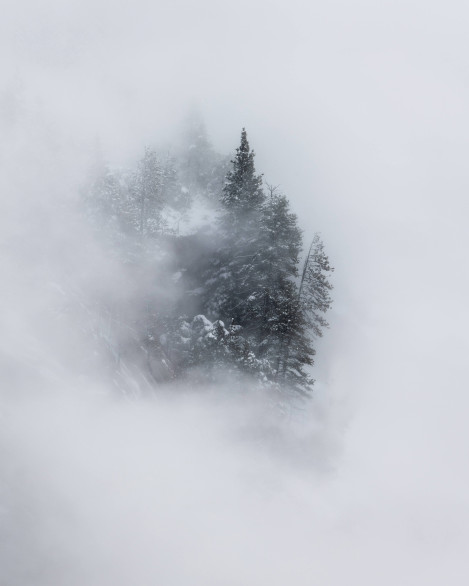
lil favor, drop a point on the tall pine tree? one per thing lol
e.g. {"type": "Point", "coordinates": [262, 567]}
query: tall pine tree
{"type": "Point", "coordinates": [315, 287]}
{"type": "Point", "coordinates": [145, 202]}
{"type": "Point", "coordinates": [234, 275]}
{"type": "Point", "coordinates": [279, 249]}
{"type": "Point", "coordinates": [243, 194]}
{"type": "Point", "coordinates": [307, 319]}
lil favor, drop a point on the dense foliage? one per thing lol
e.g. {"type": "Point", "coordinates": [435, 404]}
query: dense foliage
{"type": "Point", "coordinates": [213, 258]}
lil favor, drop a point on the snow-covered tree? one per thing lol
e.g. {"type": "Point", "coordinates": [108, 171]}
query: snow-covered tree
{"type": "Point", "coordinates": [225, 299]}
{"type": "Point", "coordinates": [145, 202]}
{"type": "Point", "coordinates": [315, 287]}
{"type": "Point", "coordinates": [243, 194]}
{"type": "Point", "coordinates": [280, 245]}
{"type": "Point", "coordinates": [306, 318]}
{"type": "Point", "coordinates": [233, 279]}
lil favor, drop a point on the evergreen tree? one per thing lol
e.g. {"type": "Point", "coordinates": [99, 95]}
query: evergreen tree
{"type": "Point", "coordinates": [243, 194]}
{"type": "Point", "coordinates": [280, 245]}
{"type": "Point", "coordinates": [233, 279]}
{"type": "Point", "coordinates": [315, 287]}
{"type": "Point", "coordinates": [145, 202]}
{"type": "Point", "coordinates": [306, 318]}
{"type": "Point", "coordinates": [296, 349]}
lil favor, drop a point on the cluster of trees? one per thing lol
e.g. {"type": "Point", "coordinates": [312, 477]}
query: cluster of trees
{"type": "Point", "coordinates": [228, 296]}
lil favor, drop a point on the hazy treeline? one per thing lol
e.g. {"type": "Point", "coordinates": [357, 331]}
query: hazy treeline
{"type": "Point", "coordinates": [216, 283]}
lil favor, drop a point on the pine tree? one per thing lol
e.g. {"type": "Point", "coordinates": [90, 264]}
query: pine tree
{"type": "Point", "coordinates": [306, 318]}
{"type": "Point", "coordinates": [233, 277]}
{"type": "Point", "coordinates": [315, 287]}
{"type": "Point", "coordinates": [243, 194]}
{"type": "Point", "coordinates": [280, 245]}
{"type": "Point", "coordinates": [296, 350]}
{"type": "Point", "coordinates": [145, 201]}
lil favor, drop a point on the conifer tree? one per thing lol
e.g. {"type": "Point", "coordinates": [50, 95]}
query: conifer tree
{"type": "Point", "coordinates": [280, 245]}
{"type": "Point", "coordinates": [233, 277]}
{"type": "Point", "coordinates": [315, 287]}
{"type": "Point", "coordinates": [306, 318]}
{"type": "Point", "coordinates": [145, 202]}
{"type": "Point", "coordinates": [243, 194]}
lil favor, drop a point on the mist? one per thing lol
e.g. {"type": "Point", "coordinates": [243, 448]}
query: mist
{"type": "Point", "coordinates": [359, 112]}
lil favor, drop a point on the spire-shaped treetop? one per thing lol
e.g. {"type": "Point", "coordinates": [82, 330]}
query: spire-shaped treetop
{"type": "Point", "coordinates": [243, 188]}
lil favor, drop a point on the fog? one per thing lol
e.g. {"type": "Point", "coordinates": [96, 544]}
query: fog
{"type": "Point", "coordinates": [359, 111]}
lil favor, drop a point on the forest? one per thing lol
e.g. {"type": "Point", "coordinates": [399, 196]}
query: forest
{"type": "Point", "coordinates": [217, 283]}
